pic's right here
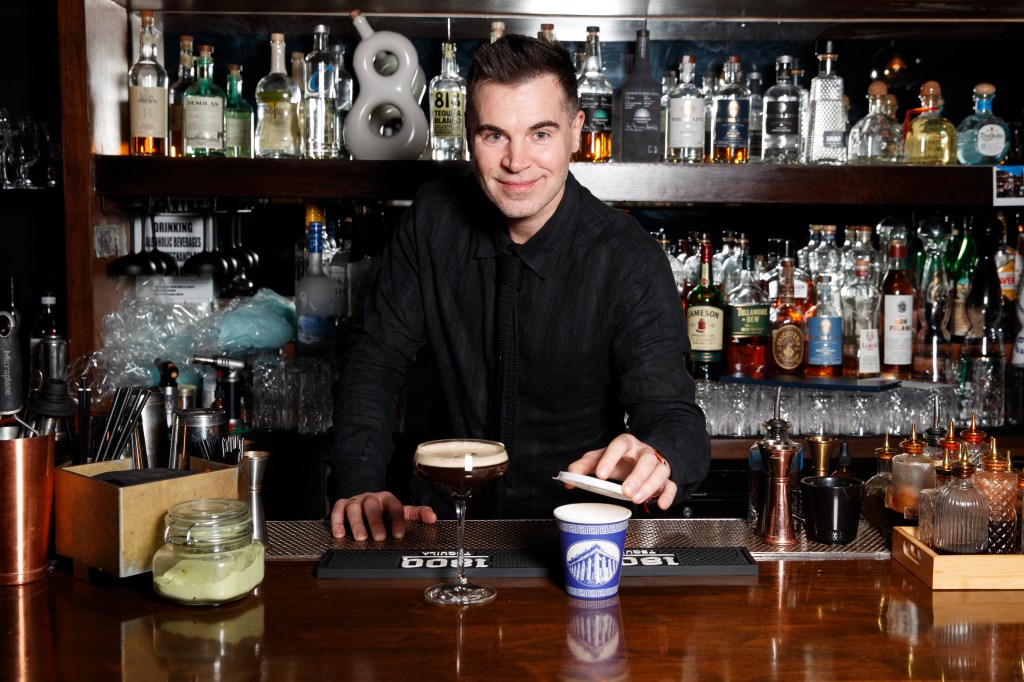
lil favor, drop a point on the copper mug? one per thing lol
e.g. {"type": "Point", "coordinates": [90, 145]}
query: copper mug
{"type": "Point", "coordinates": [26, 505]}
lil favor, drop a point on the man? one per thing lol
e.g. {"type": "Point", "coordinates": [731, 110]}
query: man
{"type": "Point", "coordinates": [598, 331]}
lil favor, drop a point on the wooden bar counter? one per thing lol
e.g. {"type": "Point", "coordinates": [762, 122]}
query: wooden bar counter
{"type": "Point", "coordinates": [826, 619]}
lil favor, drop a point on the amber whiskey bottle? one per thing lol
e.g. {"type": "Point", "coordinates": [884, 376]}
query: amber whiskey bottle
{"type": "Point", "coordinates": [897, 319]}
{"type": "Point", "coordinates": [786, 324]}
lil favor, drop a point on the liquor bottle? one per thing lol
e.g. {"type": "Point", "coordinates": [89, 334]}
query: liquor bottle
{"type": "Point", "coordinates": [719, 257]}
{"type": "Point", "coordinates": [876, 138]}
{"type": "Point", "coordinates": [963, 269]}
{"type": "Point", "coordinates": [862, 249]}
{"type": "Point", "coordinates": [803, 285]}
{"type": "Point", "coordinates": [316, 305]}
{"type": "Point", "coordinates": [826, 258]}
{"type": "Point", "coordinates": [781, 116]}
{"type": "Point", "coordinates": [497, 30]}
{"type": "Point", "coordinates": [296, 70]}
{"type": "Point", "coordinates": [982, 137]}
{"type": "Point", "coordinates": [278, 135]}
{"type": "Point", "coordinates": [674, 263]}
{"type": "Point", "coordinates": [805, 115]}
{"type": "Point", "coordinates": [12, 388]}
{"type": "Point", "coordinates": [861, 309]}
{"type": "Point", "coordinates": [732, 266]}
{"type": "Point", "coordinates": [961, 514]}
{"type": "Point", "coordinates": [338, 269]}
{"type": "Point", "coordinates": [668, 82]}
{"type": "Point", "coordinates": [803, 254]}
{"type": "Point", "coordinates": [343, 86]}
{"type": "Point", "coordinates": [876, 490]}
{"type": "Point", "coordinates": [691, 266]}
{"type": "Point", "coordinates": [147, 96]}
{"type": "Point", "coordinates": [931, 139]}
{"type": "Point", "coordinates": [730, 117]}
{"type": "Point", "coordinates": [47, 349]}
{"type": "Point", "coordinates": [931, 346]}
{"type": "Point", "coordinates": [547, 34]}
{"type": "Point", "coordinates": [998, 483]}
{"type": "Point", "coordinates": [1007, 262]}
{"type": "Point", "coordinates": [705, 322]}
{"type": "Point", "coordinates": [897, 320]}
{"type": "Point", "coordinates": [203, 108]}
{"type": "Point", "coordinates": [785, 321]}
{"type": "Point", "coordinates": [710, 82]}
{"type": "Point", "coordinates": [238, 129]}
{"type": "Point", "coordinates": [176, 97]}
{"type": "Point", "coordinates": [641, 107]}
{"type": "Point", "coordinates": [447, 109]}
{"type": "Point", "coordinates": [823, 332]}
{"type": "Point", "coordinates": [747, 349]}
{"type": "Point", "coordinates": [596, 101]}
{"type": "Point", "coordinates": [755, 85]}
{"type": "Point", "coordinates": [320, 100]}
{"type": "Point", "coordinates": [983, 357]}
{"type": "Point", "coordinates": [827, 142]}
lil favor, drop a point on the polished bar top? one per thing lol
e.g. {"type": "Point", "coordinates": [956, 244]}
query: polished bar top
{"type": "Point", "coordinates": [808, 620]}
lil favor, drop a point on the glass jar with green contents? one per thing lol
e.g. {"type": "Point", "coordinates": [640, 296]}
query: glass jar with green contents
{"type": "Point", "coordinates": [209, 556]}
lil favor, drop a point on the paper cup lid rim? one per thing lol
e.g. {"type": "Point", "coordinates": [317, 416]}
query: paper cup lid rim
{"type": "Point", "coordinates": [592, 513]}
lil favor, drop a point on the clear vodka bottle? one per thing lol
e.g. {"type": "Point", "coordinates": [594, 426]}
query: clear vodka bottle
{"type": "Point", "coordinates": [828, 117]}
{"type": "Point", "coordinates": [876, 138]}
{"type": "Point", "coordinates": [781, 116]}
{"type": "Point", "coordinates": [320, 100]}
{"type": "Point", "coordinates": [982, 137]}
{"type": "Point", "coordinates": [447, 109]}
{"type": "Point", "coordinates": [686, 109]}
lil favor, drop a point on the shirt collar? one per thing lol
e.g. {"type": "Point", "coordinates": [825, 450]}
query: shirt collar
{"type": "Point", "coordinates": [539, 252]}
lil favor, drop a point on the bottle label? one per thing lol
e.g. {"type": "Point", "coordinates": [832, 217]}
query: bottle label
{"type": "Point", "coordinates": [867, 352]}
{"type": "Point", "coordinates": [597, 108]}
{"type": "Point", "coordinates": [898, 337]}
{"type": "Point", "coordinates": [705, 327]}
{"type": "Point", "coordinates": [782, 118]}
{"type": "Point", "coordinates": [1008, 279]}
{"type": "Point", "coordinates": [799, 289]}
{"type": "Point", "coordinates": [732, 123]}
{"type": "Point", "coordinates": [204, 122]}
{"type": "Point", "coordinates": [748, 319]}
{"type": "Point", "coordinates": [147, 111]}
{"type": "Point", "coordinates": [834, 139]}
{"type": "Point", "coordinates": [277, 131]}
{"type": "Point", "coordinates": [991, 140]}
{"type": "Point", "coordinates": [824, 341]}
{"type": "Point", "coordinates": [686, 122]}
{"type": "Point", "coordinates": [314, 329]}
{"type": "Point", "coordinates": [958, 320]}
{"type": "Point", "coordinates": [238, 133]}
{"type": "Point", "coordinates": [640, 109]}
{"type": "Point", "coordinates": [446, 111]}
{"type": "Point", "coordinates": [788, 346]}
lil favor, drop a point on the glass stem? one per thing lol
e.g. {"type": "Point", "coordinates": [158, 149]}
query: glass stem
{"type": "Point", "coordinates": [460, 515]}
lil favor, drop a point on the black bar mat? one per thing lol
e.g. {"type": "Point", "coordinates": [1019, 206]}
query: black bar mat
{"type": "Point", "coordinates": [528, 563]}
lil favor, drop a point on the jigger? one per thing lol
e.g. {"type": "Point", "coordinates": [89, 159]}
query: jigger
{"type": "Point", "coordinates": [778, 527]}
{"type": "Point", "coordinates": [822, 448]}
{"type": "Point", "coordinates": [250, 483]}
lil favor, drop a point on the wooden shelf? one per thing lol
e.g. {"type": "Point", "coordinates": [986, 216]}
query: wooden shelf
{"type": "Point", "coordinates": [633, 183]}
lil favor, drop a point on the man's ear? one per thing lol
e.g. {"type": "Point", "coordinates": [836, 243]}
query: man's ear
{"type": "Point", "coordinates": [577, 130]}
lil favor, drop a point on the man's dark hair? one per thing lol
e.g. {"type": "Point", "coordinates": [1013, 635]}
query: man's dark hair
{"type": "Point", "coordinates": [515, 59]}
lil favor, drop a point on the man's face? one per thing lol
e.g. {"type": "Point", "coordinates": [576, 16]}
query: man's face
{"type": "Point", "coordinates": [522, 144]}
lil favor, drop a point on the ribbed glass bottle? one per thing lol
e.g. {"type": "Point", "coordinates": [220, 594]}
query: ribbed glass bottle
{"type": "Point", "coordinates": [998, 484]}
{"type": "Point", "coordinates": [961, 514]}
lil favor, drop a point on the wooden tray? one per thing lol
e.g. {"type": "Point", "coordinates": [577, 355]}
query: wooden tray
{"type": "Point", "coordinates": [956, 572]}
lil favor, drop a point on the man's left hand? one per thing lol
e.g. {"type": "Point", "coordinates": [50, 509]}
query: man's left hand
{"type": "Point", "coordinates": [644, 473]}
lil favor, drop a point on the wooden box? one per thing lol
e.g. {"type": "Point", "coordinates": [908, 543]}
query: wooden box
{"type": "Point", "coordinates": [117, 529]}
{"type": "Point", "coordinates": [956, 572]}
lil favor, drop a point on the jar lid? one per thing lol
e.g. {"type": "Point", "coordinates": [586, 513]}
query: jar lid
{"type": "Point", "coordinates": [208, 522]}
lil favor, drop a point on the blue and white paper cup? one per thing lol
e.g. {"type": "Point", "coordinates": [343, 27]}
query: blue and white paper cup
{"type": "Point", "coordinates": [593, 536]}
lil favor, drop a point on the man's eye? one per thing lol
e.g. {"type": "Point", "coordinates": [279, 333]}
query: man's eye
{"type": "Point", "coordinates": [542, 135]}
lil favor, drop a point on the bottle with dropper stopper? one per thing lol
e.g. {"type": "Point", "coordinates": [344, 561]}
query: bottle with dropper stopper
{"type": "Point", "coordinates": [877, 490]}
{"type": "Point", "coordinates": [961, 513]}
{"type": "Point", "coordinates": [997, 482]}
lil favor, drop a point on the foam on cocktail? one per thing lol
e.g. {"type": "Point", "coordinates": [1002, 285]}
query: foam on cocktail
{"type": "Point", "coordinates": [451, 454]}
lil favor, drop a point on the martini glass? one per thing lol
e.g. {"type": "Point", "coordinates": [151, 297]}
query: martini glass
{"type": "Point", "coordinates": [460, 468]}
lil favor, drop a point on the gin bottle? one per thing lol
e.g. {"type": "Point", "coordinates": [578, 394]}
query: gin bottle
{"type": "Point", "coordinates": [730, 117]}
{"type": "Point", "coordinates": [823, 332]}
{"type": "Point", "coordinates": [828, 118]}
{"type": "Point", "coordinates": [596, 101]}
{"type": "Point", "coordinates": [147, 96]}
{"type": "Point", "coordinates": [447, 109]}
{"type": "Point", "coordinates": [932, 138]}
{"type": "Point", "coordinates": [982, 137]}
{"type": "Point", "coordinates": [203, 108]}
{"type": "Point", "coordinates": [862, 301]}
{"type": "Point", "coordinates": [237, 117]}
{"type": "Point", "coordinates": [781, 116]}
{"type": "Point", "coordinates": [686, 111]}
{"type": "Point", "coordinates": [931, 347]}
{"type": "Point", "coordinates": [641, 107]}
{"type": "Point", "coordinates": [320, 100]}
{"type": "Point", "coordinates": [176, 96]}
{"type": "Point", "coordinates": [277, 102]}
{"type": "Point", "coordinates": [876, 138]}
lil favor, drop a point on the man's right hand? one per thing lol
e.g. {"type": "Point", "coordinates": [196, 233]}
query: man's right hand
{"type": "Point", "coordinates": [378, 510]}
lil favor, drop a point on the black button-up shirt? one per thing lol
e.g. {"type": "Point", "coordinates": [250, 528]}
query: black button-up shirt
{"type": "Point", "coordinates": [601, 335]}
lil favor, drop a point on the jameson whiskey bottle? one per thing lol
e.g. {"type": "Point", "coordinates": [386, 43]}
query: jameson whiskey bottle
{"type": "Point", "coordinates": [785, 322]}
{"type": "Point", "coordinates": [861, 303]}
{"type": "Point", "coordinates": [823, 334]}
{"type": "Point", "coordinates": [747, 324]}
{"type": "Point", "coordinates": [897, 315]}
{"type": "Point", "coordinates": [176, 96]}
{"type": "Point", "coordinates": [641, 107]}
{"type": "Point", "coordinates": [730, 122]}
{"type": "Point", "coordinates": [277, 100]}
{"type": "Point", "coordinates": [447, 108]}
{"type": "Point", "coordinates": [147, 96]}
{"type": "Point", "coordinates": [686, 117]}
{"type": "Point", "coordinates": [705, 322]}
{"type": "Point", "coordinates": [204, 111]}
{"type": "Point", "coordinates": [596, 101]}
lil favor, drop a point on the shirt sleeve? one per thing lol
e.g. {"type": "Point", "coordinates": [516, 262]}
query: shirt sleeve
{"type": "Point", "coordinates": [374, 365]}
{"type": "Point", "coordinates": [658, 393]}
